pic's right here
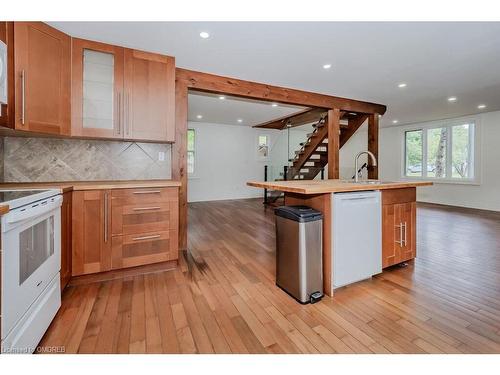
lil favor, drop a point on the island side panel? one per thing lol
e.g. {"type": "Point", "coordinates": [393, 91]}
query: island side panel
{"type": "Point", "coordinates": [321, 203]}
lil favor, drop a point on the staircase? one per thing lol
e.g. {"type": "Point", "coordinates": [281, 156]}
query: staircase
{"type": "Point", "coordinates": [312, 157]}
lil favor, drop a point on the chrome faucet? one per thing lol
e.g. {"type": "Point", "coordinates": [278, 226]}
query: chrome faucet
{"type": "Point", "coordinates": [356, 163]}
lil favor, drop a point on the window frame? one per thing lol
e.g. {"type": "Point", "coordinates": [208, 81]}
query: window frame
{"type": "Point", "coordinates": [194, 152]}
{"type": "Point", "coordinates": [268, 137]}
{"type": "Point", "coordinates": [474, 157]}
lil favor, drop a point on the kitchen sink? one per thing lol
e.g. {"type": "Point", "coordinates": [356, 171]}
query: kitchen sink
{"type": "Point", "coordinates": [370, 182]}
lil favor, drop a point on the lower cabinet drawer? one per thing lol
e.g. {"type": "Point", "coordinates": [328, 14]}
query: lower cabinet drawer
{"type": "Point", "coordinates": [145, 195]}
{"type": "Point", "coordinates": [144, 248]}
{"type": "Point", "coordinates": [142, 218]}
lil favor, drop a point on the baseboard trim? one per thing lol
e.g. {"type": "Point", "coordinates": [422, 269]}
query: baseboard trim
{"type": "Point", "coordinates": [123, 273]}
{"type": "Point", "coordinates": [459, 208]}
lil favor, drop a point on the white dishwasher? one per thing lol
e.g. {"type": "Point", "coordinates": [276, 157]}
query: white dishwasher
{"type": "Point", "coordinates": [357, 236]}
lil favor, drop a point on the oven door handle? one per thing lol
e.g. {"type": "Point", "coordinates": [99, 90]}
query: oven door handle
{"type": "Point", "coordinates": [36, 209]}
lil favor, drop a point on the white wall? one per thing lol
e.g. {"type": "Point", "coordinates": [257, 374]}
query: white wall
{"type": "Point", "coordinates": [485, 195]}
{"type": "Point", "coordinates": [226, 158]}
{"type": "Point", "coordinates": [358, 142]}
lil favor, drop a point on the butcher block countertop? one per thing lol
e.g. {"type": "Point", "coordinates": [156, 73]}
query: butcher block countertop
{"type": "Point", "coordinates": [333, 186]}
{"type": "Point", "coordinates": [91, 185]}
{"type": "Point", "coordinates": [4, 209]}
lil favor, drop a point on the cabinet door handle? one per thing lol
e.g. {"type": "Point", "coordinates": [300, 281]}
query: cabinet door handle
{"type": "Point", "coordinates": [146, 208]}
{"type": "Point", "coordinates": [405, 233]}
{"type": "Point", "coordinates": [146, 237]}
{"type": "Point", "coordinates": [400, 242]}
{"type": "Point", "coordinates": [23, 96]}
{"type": "Point", "coordinates": [105, 217]}
{"type": "Point", "coordinates": [147, 192]}
{"type": "Point", "coordinates": [119, 114]}
{"type": "Point", "coordinates": [127, 111]}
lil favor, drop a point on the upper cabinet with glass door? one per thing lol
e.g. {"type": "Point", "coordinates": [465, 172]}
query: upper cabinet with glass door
{"type": "Point", "coordinates": [97, 90]}
{"type": "Point", "coordinates": [122, 93]}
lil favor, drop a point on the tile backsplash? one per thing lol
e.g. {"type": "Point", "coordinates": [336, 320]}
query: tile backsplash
{"type": "Point", "coordinates": [50, 159]}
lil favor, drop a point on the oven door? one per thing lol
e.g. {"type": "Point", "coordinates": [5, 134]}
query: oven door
{"type": "Point", "coordinates": [31, 256]}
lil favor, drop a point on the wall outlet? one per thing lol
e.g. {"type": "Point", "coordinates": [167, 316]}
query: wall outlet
{"type": "Point", "coordinates": [161, 156]}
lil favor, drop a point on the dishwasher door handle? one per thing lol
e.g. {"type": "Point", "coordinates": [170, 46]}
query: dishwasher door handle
{"type": "Point", "coordinates": [358, 198]}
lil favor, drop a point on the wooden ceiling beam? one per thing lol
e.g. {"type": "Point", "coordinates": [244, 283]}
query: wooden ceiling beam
{"type": "Point", "coordinates": [246, 89]}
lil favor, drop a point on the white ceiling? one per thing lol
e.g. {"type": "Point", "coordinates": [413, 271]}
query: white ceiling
{"type": "Point", "coordinates": [436, 60]}
{"type": "Point", "coordinates": [228, 111]}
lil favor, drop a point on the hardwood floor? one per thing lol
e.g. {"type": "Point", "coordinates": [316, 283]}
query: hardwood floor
{"type": "Point", "coordinates": [222, 298]}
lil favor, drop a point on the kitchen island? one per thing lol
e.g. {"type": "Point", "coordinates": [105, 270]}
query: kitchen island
{"type": "Point", "coordinates": [398, 210]}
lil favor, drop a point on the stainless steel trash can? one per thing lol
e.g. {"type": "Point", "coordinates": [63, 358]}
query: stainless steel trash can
{"type": "Point", "coordinates": [299, 252]}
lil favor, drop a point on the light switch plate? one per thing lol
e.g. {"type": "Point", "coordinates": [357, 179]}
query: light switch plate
{"type": "Point", "coordinates": [161, 156]}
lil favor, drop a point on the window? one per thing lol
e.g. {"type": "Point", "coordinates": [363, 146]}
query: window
{"type": "Point", "coordinates": [191, 138]}
{"type": "Point", "coordinates": [263, 147]}
{"type": "Point", "coordinates": [440, 152]}
{"type": "Point", "coordinates": [414, 153]}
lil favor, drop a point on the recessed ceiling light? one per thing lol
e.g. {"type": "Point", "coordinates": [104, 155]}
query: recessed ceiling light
{"type": "Point", "coordinates": [402, 85]}
{"type": "Point", "coordinates": [240, 120]}
{"type": "Point", "coordinates": [481, 106]}
{"type": "Point", "coordinates": [395, 121]}
{"type": "Point", "coordinates": [204, 35]}
{"type": "Point", "coordinates": [452, 99]}
{"type": "Point", "coordinates": [274, 104]}
{"type": "Point", "coordinates": [222, 97]}
{"type": "Point", "coordinates": [327, 66]}
{"type": "Point", "coordinates": [199, 116]}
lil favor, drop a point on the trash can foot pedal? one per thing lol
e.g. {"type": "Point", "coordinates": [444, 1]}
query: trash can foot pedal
{"type": "Point", "coordinates": [315, 297]}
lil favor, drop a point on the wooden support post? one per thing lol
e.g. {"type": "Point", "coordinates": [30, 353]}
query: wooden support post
{"type": "Point", "coordinates": [333, 143]}
{"type": "Point", "coordinates": [373, 144]}
{"type": "Point", "coordinates": [179, 157]}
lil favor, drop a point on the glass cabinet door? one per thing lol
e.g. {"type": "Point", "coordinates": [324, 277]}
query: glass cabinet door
{"type": "Point", "coordinates": [97, 89]}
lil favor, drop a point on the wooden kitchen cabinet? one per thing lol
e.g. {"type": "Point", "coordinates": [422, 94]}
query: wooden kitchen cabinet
{"type": "Point", "coordinates": [66, 245]}
{"type": "Point", "coordinates": [399, 213]}
{"type": "Point", "coordinates": [7, 113]}
{"type": "Point", "coordinates": [122, 93]}
{"type": "Point", "coordinates": [144, 226]}
{"type": "Point", "coordinates": [97, 89]}
{"type": "Point", "coordinates": [91, 232]}
{"type": "Point", "coordinates": [74, 87]}
{"type": "Point", "coordinates": [120, 228]}
{"type": "Point", "coordinates": [140, 249]}
{"type": "Point", "coordinates": [149, 96]}
{"type": "Point", "coordinates": [42, 75]}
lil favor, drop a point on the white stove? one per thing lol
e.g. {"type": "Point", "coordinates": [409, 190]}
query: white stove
{"type": "Point", "coordinates": [31, 261]}
{"type": "Point", "coordinates": [22, 197]}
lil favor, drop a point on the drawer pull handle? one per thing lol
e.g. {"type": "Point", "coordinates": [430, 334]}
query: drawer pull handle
{"type": "Point", "coordinates": [147, 192]}
{"type": "Point", "coordinates": [146, 237]}
{"type": "Point", "coordinates": [146, 208]}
